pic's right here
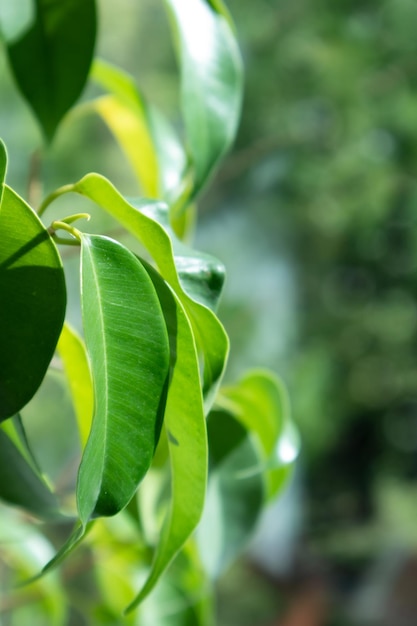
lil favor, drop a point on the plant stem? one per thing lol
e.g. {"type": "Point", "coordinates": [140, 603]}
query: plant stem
{"type": "Point", "coordinates": [53, 196]}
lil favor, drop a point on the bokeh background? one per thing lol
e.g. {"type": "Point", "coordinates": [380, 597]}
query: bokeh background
{"type": "Point", "coordinates": [314, 213]}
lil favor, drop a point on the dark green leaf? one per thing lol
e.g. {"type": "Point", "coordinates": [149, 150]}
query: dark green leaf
{"type": "Point", "coordinates": [211, 81]}
{"type": "Point", "coordinates": [51, 60]}
{"type": "Point", "coordinates": [127, 342]}
{"type": "Point", "coordinates": [21, 485]}
{"type": "Point", "coordinates": [33, 300]}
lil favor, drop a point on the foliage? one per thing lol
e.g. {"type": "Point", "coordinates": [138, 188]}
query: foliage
{"type": "Point", "coordinates": [153, 422]}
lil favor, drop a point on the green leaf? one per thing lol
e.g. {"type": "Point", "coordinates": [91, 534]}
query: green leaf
{"type": "Point", "coordinates": [24, 547]}
{"type": "Point", "coordinates": [196, 278]}
{"type": "Point", "coordinates": [51, 60]}
{"type": "Point", "coordinates": [127, 343]}
{"type": "Point", "coordinates": [74, 357]}
{"type": "Point", "coordinates": [126, 115]}
{"type": "Point", "coordinates": [3, 167]}
{"type": "Point", "coordinates": [211, 81]}
{"type": "Point", "coordinates": [21, 485]}
{"type": "Point", "coordinates": [33, 296]}
{"type": "Point", "coordinates": [183, 597]}
{"type": "Point", "coordinates": [234, 497]}
{"type": "Point", "coordinates": [260, 402]}
{"type": "Point", "coordinates": [15, 18]}
{"type": "Point", "coordinates": [145, 136]}
{"type": "Point", "coordinates": [187, 439]}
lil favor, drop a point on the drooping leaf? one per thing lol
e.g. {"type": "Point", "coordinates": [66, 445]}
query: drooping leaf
{"type": "Point", "coordinates": [211, 81]}
{"type": "Point", "coordinates": [234, 499]}
{"type": "Point", "coordinates": [51, 60]}
{"type": "Point", "coordinates": [21, 485]}
{"type": "Point", "coordinates": [127, 342]}
{"type": "Point", "coordinates": [187, 439]}
{"type": "Point", "coordinates": [73, 353]}
{"type": "Point", "coordinates": [197, 279]}
{"type": "Point", "coordinates": [33, 301]}
{"type": "Point", "coordinates": [259, 401]}
{"type": "Point", "coordinates": [146, 137]}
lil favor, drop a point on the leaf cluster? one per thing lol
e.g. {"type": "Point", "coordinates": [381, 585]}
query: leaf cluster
{"type": "Point", "coordinates": [162, 444]}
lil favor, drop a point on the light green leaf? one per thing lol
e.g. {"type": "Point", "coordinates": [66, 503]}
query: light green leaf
{"type": "Point", "coordinates": [21, 485]}
{"type": "Point", "coordinates": [260, 402]}
{"type": "Point", "coordinates": [15, 18]}
{"type": "Point", "coordinates": [24, 547]}
{"type": "Point", "coordinates": [183, 597]}
{"type": "Point", "coordinates": [187, 439]}
{"type": "Point", "coordinates": [211, 81]}
{"type": "Point", "coordinates": [146, 137]}
{"type": "Point", "coordinates": [127, 343]}
{"type": "Point", "coordinates": [33, 300]}
{"type": "Point", "coordinates": [196, 278]}
{"type": "Point", "coordinates": [74, 357]}
{"type": "Point", "coordinates": [51, 60]}
{"type": "Point", "coordinates": [234, 499]}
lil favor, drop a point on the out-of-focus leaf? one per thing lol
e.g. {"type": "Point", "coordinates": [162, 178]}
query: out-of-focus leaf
{"type": "Point", "coordinates": [51, 60]}
{"type": "Point", "coordinates": [234, 499]}
{"type": "Point", "coordinates": [15, 430]}
{"type": "Point", "coordinates": [33, 301]}
{"type": "Point", "coordinates": [179, 597]}
{"type": "Point", "coordinates": [211, 82]}
{"type": "Point", "coordinates": [196, 278]}
{"type": "Point", "coordinates": [74, 357]}
{"type": "Point", "coordinates": [260, 402]}
{"type": "Point", "coordinates": [150, 144]}
{"type": "Point", "coordinates": [131, 132]}
{"type": "Point", "coordinates": [15, 18]}
{"type": "Point", "coordinates": [3, 167]}
{"type": "Point", "coordinates": [25, 548]}
{"type": "Point", "coordinates": [187, 439]}
{"type": "Point", "coordinates": [21, 485]}
{"type": "Point", "coordinates": [127, 343]}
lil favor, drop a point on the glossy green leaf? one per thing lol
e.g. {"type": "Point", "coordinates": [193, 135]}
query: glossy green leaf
{"type": "Point", "coordinates": [187, 439]}
{"type": "Point", "coordinates": [234, 498]}
{"type": "Point", "coordinates": [20, 483]}
{"type": "Point", "coordinates": [146, 137]}
{"type": "Point", "coordinates": [197, 279]}
{"type": "Point", "coordinates": [127, 343]}
{"type": "Point", "coordinates": [211, 81]}
{"type": "Point", "coordinates": [260, 402]}
{"type": "Point", "coordinates": [33, 301]}
{"type": "Point", "coordinates": [57, 50]}
{"type": "Point", "coordinates": [74, 357]}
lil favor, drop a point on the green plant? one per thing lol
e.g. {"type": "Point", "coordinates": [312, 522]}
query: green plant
{"type": "Point", "coordinates": [145, 378]}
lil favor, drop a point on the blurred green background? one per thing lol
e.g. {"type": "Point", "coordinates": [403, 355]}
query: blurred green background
{"type": "Point", "coordinates": [314, 214]}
